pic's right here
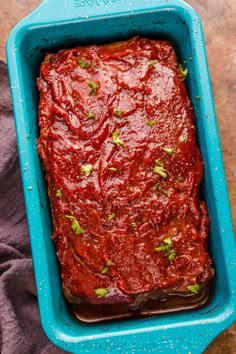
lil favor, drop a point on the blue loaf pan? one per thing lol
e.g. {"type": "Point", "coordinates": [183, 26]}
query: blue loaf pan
{"type": "Point", "coordinates": [67, 23]}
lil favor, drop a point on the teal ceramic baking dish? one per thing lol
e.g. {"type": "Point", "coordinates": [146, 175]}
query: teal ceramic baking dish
{"type": "Point", "coordinates": [69, 23]}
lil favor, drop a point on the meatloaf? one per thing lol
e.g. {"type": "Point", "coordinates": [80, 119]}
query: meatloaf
{"type": "Point", "coordinates": [118, 146]}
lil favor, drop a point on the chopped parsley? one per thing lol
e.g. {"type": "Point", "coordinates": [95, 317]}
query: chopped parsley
{"type": "Point", "coordinates": [183, 72]}
{"type": "Point", "coordinates": [151, 122]}
{"type": "Point", "coordinates": [87, 169]}
{"type": "Point", "coordinates": [83, 63]}
{"type": "Point", "coordinates": [159, 163]}
{"type": "Point", "coordinates": [166, 192]}
{"type": "Point", "coordinates": [93, 86]}
{"type": "Point", "coordinates": [101, 292]}
{"type": "Point", "coordinates": [106, 267]}
{"type": "Point", "coordinates": [179, 179]}
{"type": "Point", "coordinates": [116, 140]}
{"type": "Point", "coordinates": [118, 112]}
{"type": "Point", "coordinates": [111, 216]}
{"type": "Point", "coordinates": [168, 241]}
{"type": "Point", "coordinates": [166, 246]}
{"type": "Point", "coordinates": [75, 226]}
{"type": "Point", "coordinates": [112, 169]}
{"type": "Point", "coordinates": [90, 115]}
{"type": "Point", "coordinates": [171, 254]}
{"type": "Point", "coordinates": [158, 186]}
{"type": "Point", "coordinates": [153, 63]}
{"type": "Point", "coordinates": [133, 224]}
{"type": "Point", "coordinates": [59, 193]}
{"type": "Point", "coordinates": [182, 138]}
{"type": "Point", "coordinates": [198, 98]}
{"type": "Point", "coordinates": [170, 151]}
{"type": "Point", "coordinates": [194, 288]}
{"type": "Point", "coordinates": [159, 168]}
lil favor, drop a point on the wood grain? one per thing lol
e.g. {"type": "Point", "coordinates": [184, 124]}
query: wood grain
{"type": "Point", "coordinates": [218, 18]}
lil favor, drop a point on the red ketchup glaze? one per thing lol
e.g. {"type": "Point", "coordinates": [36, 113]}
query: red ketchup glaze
{"type": "Point", "coordinates": [118, 144]}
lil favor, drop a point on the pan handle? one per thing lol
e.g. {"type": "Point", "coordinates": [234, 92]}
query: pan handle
{"type": "Point", "coordinates": [53, 10]}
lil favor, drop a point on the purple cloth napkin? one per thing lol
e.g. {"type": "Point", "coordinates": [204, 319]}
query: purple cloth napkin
{"type": "Point", "coordinates": [20, 328]}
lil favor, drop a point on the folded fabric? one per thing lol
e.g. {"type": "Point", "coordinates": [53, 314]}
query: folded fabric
{"type": "Point", "coordinates": [20, 327]}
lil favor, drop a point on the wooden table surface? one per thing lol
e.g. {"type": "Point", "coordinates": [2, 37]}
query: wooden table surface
{"type": "Point", "coordinates": [219, 23]}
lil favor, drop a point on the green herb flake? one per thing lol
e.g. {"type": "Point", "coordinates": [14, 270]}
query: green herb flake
{"type": "Point", "coordinates": [90, 115]}
{"type": "Point", "coordinates": [112, 169]}
{"type": "Point", "coordinates": [111, 216]}
{"type": "Point", "coordinates": [59, 193]}
{"type": "Point", "coordinates": [133, 224]}
{"type": "Point", "coordinates": [159, 163]}
{"type": "Point", "coordinates": [116, 140]}
{"type": "Point", "coordinates": [168, 241]}
{"type": "Point", "coordinates": [198, 98]}
{"type": "Point", "coordinates": [106, 267]}
{"type": "Point", "coordinates": [86, 169]}
{"type": "Point", "coordinates": [101, 292]}
{"type": "Point", "coordinates": [166, 246]}
{"type": "Point", "coordinates": [162, 247]}
{"type": "Point", "coordinates": [182, 138]}
{"type": "Point", "coordinates": [151, 122]}
{"type": "Point", "coordinates": [94, 87]}
{"type": "Point", "coordinates": [170, 151]}
{"type": "Point", "coordinates": [118, 112]}
{"type": "Point", "coordinates": [158, 186]}
{"type": "Point", "coordinates": [159, 169]}
{"type": "Point", "coordinates": [83, 63]}
{"type": "Point", "coordinates": [153, 63]}
{"type": "Point", "coordinates": [183, 72]}
{"type": "Point", "coordinates": [75, 226]}
{"type": "Point", "coordinates": [179, 179]}
{"type": "Point", "coordinates": [166, 192]}
{"type": "Point", "coordinates": [171, 255]}
{"type": "Point", "coordinates": [193, 288]}
{"type": "Point", "coordinates": [30, 188]}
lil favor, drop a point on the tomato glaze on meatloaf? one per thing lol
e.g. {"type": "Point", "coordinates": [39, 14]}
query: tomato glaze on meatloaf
{"type": "Point", "coordinates": [118, 146]}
